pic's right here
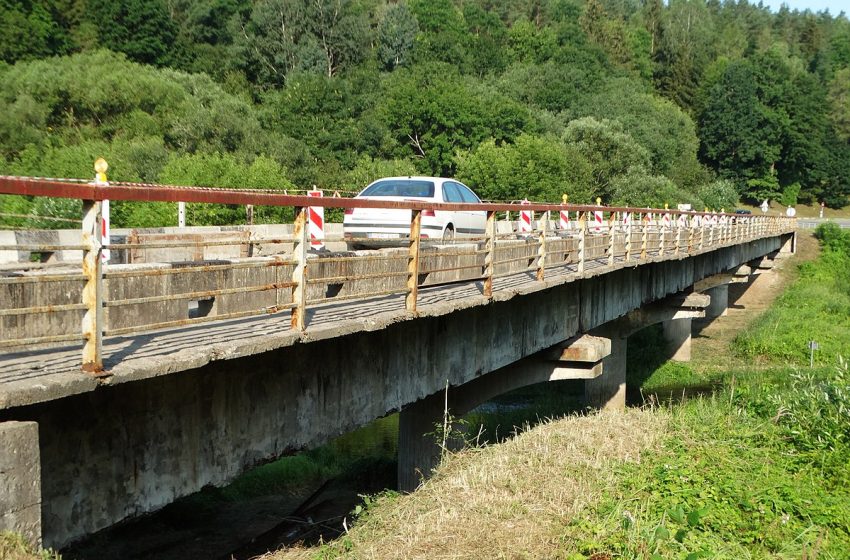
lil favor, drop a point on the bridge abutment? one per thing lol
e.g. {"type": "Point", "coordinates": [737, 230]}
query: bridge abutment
{"type": "Point", "coordinates": [20, 480]}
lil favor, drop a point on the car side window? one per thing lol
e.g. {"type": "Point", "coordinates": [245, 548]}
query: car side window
{"type": "Point", "coordinates": [467, 195]}
{"type": "Point", "coordinates": [451, 193]}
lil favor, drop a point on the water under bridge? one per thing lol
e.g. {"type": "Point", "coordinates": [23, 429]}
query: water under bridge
{"type": "Point", "coordinates": [196, 353]}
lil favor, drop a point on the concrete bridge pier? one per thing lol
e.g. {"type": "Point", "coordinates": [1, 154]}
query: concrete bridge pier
{"type": "Point", "coordinates": [608, 391]}
{"type": "Point", "coordinates": [418, 449]}
{"type": "Point", "coordinates": [719, 304]}
{"type": "Point", "coordinates": [677, 334]}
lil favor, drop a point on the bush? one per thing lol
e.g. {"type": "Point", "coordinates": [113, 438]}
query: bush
{"type": "Point", "coordinates": [719, 195]}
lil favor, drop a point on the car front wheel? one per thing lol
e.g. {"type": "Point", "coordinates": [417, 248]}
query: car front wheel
{"type": "Point", "coordinates": [448, 234]}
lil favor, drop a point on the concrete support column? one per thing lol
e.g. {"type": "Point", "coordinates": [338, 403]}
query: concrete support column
{"type": "Point", "coordinates": [20, 480]}
{"type": "Point", "coordinates": [719, 305]}
{"type": "Point", "coordinates": [677, 333]}
{"type": "Point", "coordinates": [608, 391]}
{"type": "Point", "coordinates": [418, 451]}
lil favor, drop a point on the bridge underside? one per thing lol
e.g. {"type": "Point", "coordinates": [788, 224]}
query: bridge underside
{"type": "Point", "coordinates": [131, 448]}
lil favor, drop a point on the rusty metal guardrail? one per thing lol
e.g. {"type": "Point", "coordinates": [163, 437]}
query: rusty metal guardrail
{"type": "Point", "coordinates": [599, 235]}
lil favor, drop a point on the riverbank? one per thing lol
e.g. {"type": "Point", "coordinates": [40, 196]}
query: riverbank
{"type": "Point", "coordinates": [748, 461]}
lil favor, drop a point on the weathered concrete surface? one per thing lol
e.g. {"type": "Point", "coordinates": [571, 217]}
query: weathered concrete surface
{"type": "Point", "coordinates": [608, 391]}
{"type": "Point", "coordinates": [188, 418]}
{"type": "Point", "coordinates": [677, 334]}
{"type": "Point", "coordinates": [585, 348]}
{"type": "Point", "coordinates": [719, 306]}
{"type": "Point", "coordinates": [20, 480]}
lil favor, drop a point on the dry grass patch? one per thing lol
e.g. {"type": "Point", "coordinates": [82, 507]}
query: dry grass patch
{"type": "Point", "coordinates": [505, 501]}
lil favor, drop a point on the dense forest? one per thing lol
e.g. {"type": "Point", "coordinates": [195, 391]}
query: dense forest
{"type": "Point", "coordinates": [639, 102]}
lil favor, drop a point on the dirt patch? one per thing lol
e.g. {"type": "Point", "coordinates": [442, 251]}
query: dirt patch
{"type": "Point", "coordinates": [710, 344]}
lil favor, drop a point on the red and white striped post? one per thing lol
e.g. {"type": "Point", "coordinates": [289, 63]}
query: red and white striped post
{"type": "Point", "coordinates": [565, 216]}
{"type": "Point", "coordinates": [597, 217]}
{"type": "Point", "coordinates": [316, 218]}
{"type": "Point", "coordinates": [525, 218]}
{"type": "Point", "coordinates": [100, 168]}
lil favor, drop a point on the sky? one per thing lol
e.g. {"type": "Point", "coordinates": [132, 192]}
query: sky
{"type": "Point", "coordinates": [835, 6]}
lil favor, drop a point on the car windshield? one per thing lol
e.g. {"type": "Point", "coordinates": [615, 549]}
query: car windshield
{"type": "Point", "coordinates": [400, 187]}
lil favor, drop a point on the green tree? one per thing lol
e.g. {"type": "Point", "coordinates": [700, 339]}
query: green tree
{"type": "Point", "coordinates": [442, 33]}
{"type": "Point", "coordinates": [27, 31]}
{"type": "Point", "coordinates": [434, 112]}
{"type": "Point", "coordinates": [396, 35]}
{"type": "Point", "coordinates": [741, 133]}
{"type": "Point", "coordinates": [540, 168]}
{"type": "Point", "coordinates": [839, 103]}
{"type": "Point", "coordinates": [610, 150]}
{"type": "Point", "coordinates": [142, 29]}
{"type": "Point", "coordinates": [721, 194]}
{"type": "Point", "coordinates": [282, 36]}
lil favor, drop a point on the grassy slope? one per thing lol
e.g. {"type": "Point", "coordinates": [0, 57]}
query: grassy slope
{"type": "Point", "coordinates": [755, 469]}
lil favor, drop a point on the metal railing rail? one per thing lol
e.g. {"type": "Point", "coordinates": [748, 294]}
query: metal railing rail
{"type": "Point", "coordinates": [600, 236]}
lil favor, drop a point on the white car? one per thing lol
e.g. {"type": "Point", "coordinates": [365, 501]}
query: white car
{"type": "Point", "coordinates": [369, 227]}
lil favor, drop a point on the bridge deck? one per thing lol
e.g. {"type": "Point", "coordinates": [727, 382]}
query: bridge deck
{"type": "Point", "coordinates": [41, 375]}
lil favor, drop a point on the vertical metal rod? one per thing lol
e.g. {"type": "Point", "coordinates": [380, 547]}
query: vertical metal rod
{"type": "Point", "coordinates": [490, 255]}
{"type": "Point", "coordinates": [582, 230]}
{"type": "Point", "coordinates": [299, 274]}
{"type": "Point", "coordinates": [541, 246]}
{"type": "Point", "coordinates": [92, 324]}
{"type": "Point", "coordinates": [413, 260]}
{"type": "Point", "coordinates": [711, 232]}
{"type": "Point", "coordinates": [690, 225]}
{"type": "Point", "coordinates": [181, 214]}
{"type": "Point", "coordinates": [661, 232]}
{"type": "Point", "coordinates": [678, 236]}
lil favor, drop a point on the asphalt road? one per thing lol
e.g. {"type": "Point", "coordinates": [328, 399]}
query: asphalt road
{"type": "Point", "coordinates": [811, 223]}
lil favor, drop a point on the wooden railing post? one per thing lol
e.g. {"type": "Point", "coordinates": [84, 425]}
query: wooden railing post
{"type": "Point", "coordinates": [611, 221]}
{"type": "Point", "coordinates": [92, 324]}
{"type": "Point", "coordinates": [490, 255]}
{"type": "Point", "coordinates": [644, 223]}
{"type": "Point", "coordinates": [628, 219]}
{"type": "Point", "coordinates": [299, 274]}
{"type": "Point", "coordinates": [662, 231]}
{"type": "Point", "coordinates": [541, 246]}
{"type": "Point", "coordinates": [413, 260]}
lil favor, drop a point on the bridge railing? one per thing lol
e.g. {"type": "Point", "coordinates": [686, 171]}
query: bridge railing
{"type": "Point", "coordinates": [85, 299]}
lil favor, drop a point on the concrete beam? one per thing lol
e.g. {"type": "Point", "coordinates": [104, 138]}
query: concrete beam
{"type": "Point", "coordinates": [763, 263]}
{"type": "Point", "coordinates": [679, 307]}
{"type": "Point", "coordinates": [713, 281]}
{"type": "Point", "coordinates": [585, 348]}
{"type": "Point", "coordinates": [20, 483]}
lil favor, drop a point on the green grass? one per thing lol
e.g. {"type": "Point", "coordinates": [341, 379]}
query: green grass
{"type": "Point", "coordinates": [758, 468]}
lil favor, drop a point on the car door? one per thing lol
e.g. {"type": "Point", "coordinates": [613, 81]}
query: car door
{"type": "Point", "coordinates": [459, 220]}
{"type": "Point", "coordinates": [476, 220]}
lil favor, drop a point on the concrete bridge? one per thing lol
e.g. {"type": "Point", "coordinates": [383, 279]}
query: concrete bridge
{"type": "Point", "coordinates": [185, 374]}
